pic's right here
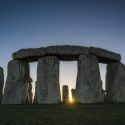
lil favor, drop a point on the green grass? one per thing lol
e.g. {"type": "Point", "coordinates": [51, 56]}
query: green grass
{"type": "Point", "coordinates": [87, 114]}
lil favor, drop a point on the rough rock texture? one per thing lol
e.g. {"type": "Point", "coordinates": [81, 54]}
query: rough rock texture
{"type": "Point", "coordinates": [88, 86]}
{"type": "Point", "coordinates": [47, 85]}
{"type": "Point", "coordinates": [29, 55]}
{"type": "Point", "coordinates": [73, 91]}
{"type": "Point", "coordinates": [65, 94]}
{"type": "Point", "coordinates": [30, 94]}
{"type": "Point", "coordinates": [15, 91]}
{"type": "Point", "coordinates": [105, 56]}
{"type": "Point", "coordinates": [35, 97]}
{"type": "Point", "coordinates": [115, 82]}
{"type": "Point", "coordinates": [66, 53]}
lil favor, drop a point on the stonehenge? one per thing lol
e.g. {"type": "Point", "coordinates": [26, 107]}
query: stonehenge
{"type": "Point", "coordinates": [18, 87]}
{"type": "Point", "coordinates": [65, 94]}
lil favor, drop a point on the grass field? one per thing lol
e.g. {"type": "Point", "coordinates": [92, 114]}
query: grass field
{"type": "Point", "coordinates": [87, 114]}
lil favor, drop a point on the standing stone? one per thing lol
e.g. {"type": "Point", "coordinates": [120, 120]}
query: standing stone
{"type": "Point", "coordinates": [47, 85]}
{"type": "Point", "coordinates": [115, 82]}
{"type": "Point", "coordinates": [30, 94]}
{"type": "Point", "coordinates": [73, 91]}
{"type": "Point", "coordinates": [35, 95]}
{"type": "Point", "coordinates": [65, 94]}
{"type": "Point", "coordinates": [88, 86]}
{"type": "Point", "coordinates": [1, 83]}
{"type": "Point", "coordinates": [15, 91]}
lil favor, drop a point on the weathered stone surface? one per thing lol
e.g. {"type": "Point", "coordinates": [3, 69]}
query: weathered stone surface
{"type": "Point", "coordinates": [88, 86]}
{"type": "Point", "coordinates": [1, 80]}
{"type": "Point", "coordinates": [30, 55]}
{"type": "Point", "coordinates": [115, 82]}
{"type": "Point", "coordinates": [47, 85]}
{"type": "Point", "coordinates": [105, 56]}
{"type": "Point", "coordinates": [65, 94]}
{"type": "Point", "coordinates": [73, 91]}
{"type": "Point", "coordinates": [35, 95]}
{"type": "Point", "coordinates": [66, 53]}
{"type": "Point", "coordinates": [30, 94]}
{"type": "Point", "coordinates": [15, 91]}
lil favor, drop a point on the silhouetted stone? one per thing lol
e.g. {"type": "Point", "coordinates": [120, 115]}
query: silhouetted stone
{"type": "Point", "coordinates": [65, 94]}
{"type": "Point", "coordinates": [66, 53]}
{"type": "Point", "coordinates": [73, 91]}
{"type": "Point", "coordinates": [15, 91]}
{"type": "Point", "coordinates": [115, 82]}
{"type": "Point", "coordinates": [88, 86]}
{"type": "Point", "coordinates": [47, 85]}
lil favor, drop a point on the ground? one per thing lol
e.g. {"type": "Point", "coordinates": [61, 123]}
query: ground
{"type": "Point", "coordinates": [60, 114]}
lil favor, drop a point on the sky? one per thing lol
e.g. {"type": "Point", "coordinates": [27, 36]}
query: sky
{"type": "Point", "coordinates": [38, 23]}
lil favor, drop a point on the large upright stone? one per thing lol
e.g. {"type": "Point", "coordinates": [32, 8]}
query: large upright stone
{"type": "Point", "coordinates": [88, 86]}
{"type": "Point", "coordinates": [47, 85]}
{"type": "Point", "coordinates": [1, 83]}
{"type": "Point", "coordinates": [73, 91]}
{"type": "Point", "coordinates": [65, 94]}
{"type": "Point", "coordinates": [15, 91]}
{"type": "Point", "coordinates": [35, 95]}
{"type": "Point", "coordinates": [115, 82]}
{"type": "Point", "coordinates": [30, 94]}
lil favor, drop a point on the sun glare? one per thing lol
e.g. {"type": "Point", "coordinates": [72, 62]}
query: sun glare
{"type": "Point", "coordinates": [71, 100]}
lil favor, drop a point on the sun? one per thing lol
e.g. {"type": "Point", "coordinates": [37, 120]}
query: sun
{"type": "Point", "coordinates": [71, 101]}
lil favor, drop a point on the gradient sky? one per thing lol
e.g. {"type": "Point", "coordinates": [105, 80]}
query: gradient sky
{"type": "Point", "coordinates": [37, 23]}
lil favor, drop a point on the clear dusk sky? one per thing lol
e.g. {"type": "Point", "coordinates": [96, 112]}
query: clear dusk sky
{"type": "Point", "coordinates": [38, 23]}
